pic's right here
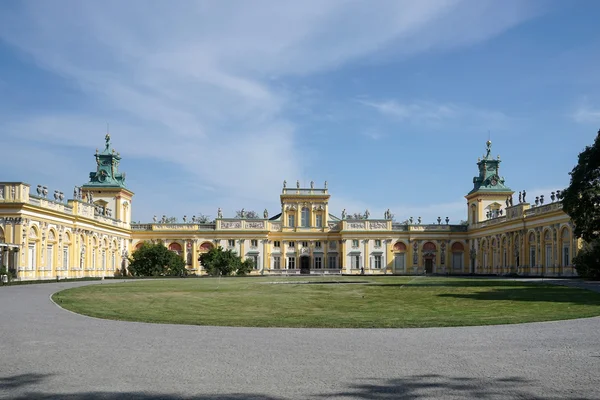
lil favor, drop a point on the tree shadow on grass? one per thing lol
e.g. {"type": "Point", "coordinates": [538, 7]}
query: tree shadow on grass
{"type": "Point", "coordinates": [410, 387]}
{"type": "Point", "coordinates": [438, 386]}
{"type": "Point", "coordinates": [552, 294]}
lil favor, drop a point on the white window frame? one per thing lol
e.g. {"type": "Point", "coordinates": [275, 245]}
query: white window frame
{"type": "Point", "coordinates": [318, 262]}
{"type": "Point", "coordinates": [32, 255]}
{"type": "Point", "coordinates": [377, 261]}
{"type": "Point", "coordinates": [276, 262]}
{"type": "Point", "coordinates": [291, 220]}
{"type": "Point", "coordinates": [49, 256]}
{"type": "Point", "coordinates": [332, 262]}
{"type": "Point", "coordinates": [305, 217]}
{"type": "Point", "coordinates": [65, 260]}
{"type": "Point", "coordinates": [291, 262]}
{"type": "Point", "coordinates": [319, 220]}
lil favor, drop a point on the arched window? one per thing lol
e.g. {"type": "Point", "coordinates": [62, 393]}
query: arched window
{"type": "Point", "coordinates": [399, 247]}
{"type": "Point", "coordinates": [176, 248]}
{"type": "Point", "coordinates": [429, 246]}
{"type": "Point", "coordinates": [305, 218]}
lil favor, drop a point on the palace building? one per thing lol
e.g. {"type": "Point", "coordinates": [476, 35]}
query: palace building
{"type": "Point", "coordinates": [45, 236]}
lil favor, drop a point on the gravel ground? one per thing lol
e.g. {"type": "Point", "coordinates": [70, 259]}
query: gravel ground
{"type": "Point", "coordinates": [51, 353]}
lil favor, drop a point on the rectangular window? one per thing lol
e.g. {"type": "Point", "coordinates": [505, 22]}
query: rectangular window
{"type": "Point", "coordinates": [355, 261]}
{"type": "Point", "coordinates": [65, 265]}
{"type": "Point", "coordinates": [276, 243]}
{"type": "Point", "coordinates": [32, 257]}
{"type": "Point", "coordinates": [93, 258]}
{"type": "Point", "coordinates": [566, 261]}
{"type": "Point", "coordinates": [231, 243]}
{"type": "Point", "coordinates": [114, 261]}
{"type": "Point", "coordinates": [254, 261]}
{"type": "Point", "coordinates": [49, 256]}
{"type": "Point", "coordinates": [532, 256]}
{"type": "Point", "coordinates": [291, 221]}
{"type": "Point", "coordinates": [332, 262]}
{"type": "Point", "coordinates": [377, 243]}
{"type": "Point", "coordinates": [291, 262]}
{"type": "Point", "coordinates": [103, 266]}
{"type": "Point", "coordinates": [319, 221]}
{"type": "Point", "coordinates": [305, 216]}
{"type": "Point", "coordinates": [292, 245]}
{"type": "Point", "coordinates": [318, 245]}
{"type": "Point", "coordinates": [355, 243]}
{"type": "Point", "coordinates": [548, 256]}
{"type": "Point", "coordinates": [304, 244]}
{"type": "Point", "coordinates": [333, 244]}
{"type": "Point", "coordinates": [377, 262]}
{"type": "Point", "coordinates": [318, 263]}
{"type": "Point", "coordinates": [254, 243]}
{"type": "Point", "coordinates": [276, 262]}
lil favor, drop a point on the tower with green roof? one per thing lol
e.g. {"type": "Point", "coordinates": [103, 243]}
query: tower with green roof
{"type": "Point", "coordinates": [490, 196]}
{"type": "Point", "coordinates": [106, 187]}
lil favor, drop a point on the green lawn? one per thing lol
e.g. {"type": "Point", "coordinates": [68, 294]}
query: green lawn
{"type": "Point", "coordinates": [381, 302]}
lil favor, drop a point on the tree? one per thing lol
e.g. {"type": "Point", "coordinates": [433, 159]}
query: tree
{"type": "Point", "coordinates": [224, 262]}
{"type": "Point", "coordinates": [581, 200]}
{"type": "Point", "coordinates": [154, 259]}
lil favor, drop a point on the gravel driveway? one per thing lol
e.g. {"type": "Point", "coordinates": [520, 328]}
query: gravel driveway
{"type": "Point", "coordinates": [48, 353]}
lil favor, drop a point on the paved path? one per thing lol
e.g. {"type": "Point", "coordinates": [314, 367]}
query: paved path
{"type": "Point", "coordinates": [48, 353]}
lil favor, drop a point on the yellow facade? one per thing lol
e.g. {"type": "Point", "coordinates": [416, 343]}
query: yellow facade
{"type": "Point", "coordinates": [91, 235]}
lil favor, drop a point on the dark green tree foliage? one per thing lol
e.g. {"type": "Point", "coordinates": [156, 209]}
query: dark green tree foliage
{"type": "Point", "coordinates": [587, 261]}
{"type": "Point", "coordinates": [224, 262]}
{"type": "Point", "coordinates": [156, 260]}
{"type": "Point", "coordinates": [581, 200]}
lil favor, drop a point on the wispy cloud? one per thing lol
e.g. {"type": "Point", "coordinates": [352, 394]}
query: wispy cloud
{"type": "Point", "coordinates": [586, 114]}
{"type": "Point", "coordinates": [431, 114]}
{"type": "Point", "coordinates": [198, 86]}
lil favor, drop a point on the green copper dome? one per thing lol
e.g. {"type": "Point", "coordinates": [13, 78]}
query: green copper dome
{"type": "Point", "coordinates": [107, 168]}
{"type": "Point", "coordinates": [489, 179]}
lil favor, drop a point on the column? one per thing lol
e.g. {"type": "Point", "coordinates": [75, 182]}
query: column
{"type": "Point", "coordinates": [366, 257]}
{"type": "Point", "coordinates": [241, 242]}
{"type": "Point", "coordinates": [195, 263]}
{"type": "Point", "coordinates": [342, 260]}
{"type": "Point", "coordinates": [266, 258]}
{"type": "Point", "coordinates": [325, 261]}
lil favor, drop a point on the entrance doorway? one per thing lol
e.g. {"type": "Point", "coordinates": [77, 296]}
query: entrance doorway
{"type": "Point", "coordinates": [429, 265]}
{"type": "Point", "coordinates": [304, 265]}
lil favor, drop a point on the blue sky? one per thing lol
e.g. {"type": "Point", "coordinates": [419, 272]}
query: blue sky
{"type": "Point", "coordinates": [214, 104]}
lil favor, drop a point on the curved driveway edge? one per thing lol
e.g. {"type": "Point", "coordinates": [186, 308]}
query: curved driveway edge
{"type": "Point", "coordinates": [50, 353]}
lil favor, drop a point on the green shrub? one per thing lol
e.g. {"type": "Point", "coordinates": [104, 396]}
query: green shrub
{"type": "Point", "coordinates": [587, 261]}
